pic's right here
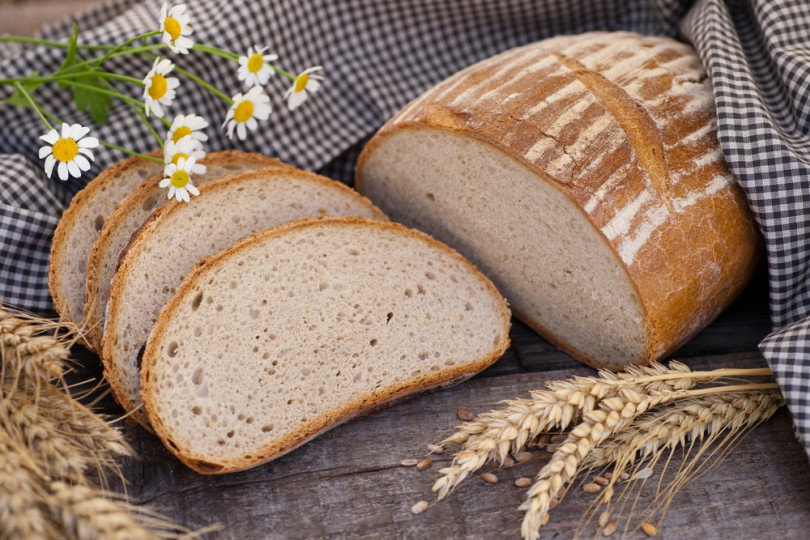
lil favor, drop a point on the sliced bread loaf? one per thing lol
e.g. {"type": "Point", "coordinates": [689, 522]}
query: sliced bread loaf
{"type": "Point", "coordinates": [298, 329]}
{"type": "Point", "coordinates": [128, 216]}
{"type": "Point", "coordinates": [81, 224]}
{"type": "Point", "coordinates": [583, 175]}
{"type": "Point", "coordinates": [179, 235]}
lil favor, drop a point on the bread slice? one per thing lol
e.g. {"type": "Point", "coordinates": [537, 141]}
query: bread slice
{"type": "Point", "coordinates": [179, 235]}
{"type": "Point", "coordinates": [125, 220]}
{"type": "Point", "coordinates": [300, 328]}
{"type": "Point", "coordinates": [81, 224]}
{"type": "Point", "coordinates": [583, 175]}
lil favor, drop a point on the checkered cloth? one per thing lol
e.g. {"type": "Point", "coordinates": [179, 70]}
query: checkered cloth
{"type": "Point", "coordinates": [379, 55]}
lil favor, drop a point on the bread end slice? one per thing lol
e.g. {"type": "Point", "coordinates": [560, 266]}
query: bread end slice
{"type": "Point", "coordinates": [330, 317]}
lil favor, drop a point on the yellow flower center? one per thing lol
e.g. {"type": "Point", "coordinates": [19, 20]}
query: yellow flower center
{"type": "Point", "coordinates": [181, 132]}
{"type": "Point", "coordinates": [177, 157]}
{"type": "Point", "coordinates": [180, 179]}
{"type": "Point", "coordinates": [255, 63]}
{"type": "Point", "coordinates": [243, 112]}
{"type": "Point", "coordinates": [159, 86]}
{"type": "Point", "coordinates": [301, 82]}
{"type": "Point", "coordinates": [65, 149]}
{"type": "Point", "coordinates": [172, 27]}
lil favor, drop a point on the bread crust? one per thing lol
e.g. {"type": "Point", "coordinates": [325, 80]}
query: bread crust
{"type": "Point", "coordinates": [93, 317]}
{"type": "Point", "coordinates": [147, 230]}
{"type": "Point", "coordinates": [68, 221]}
{"type": "Point", "coordinates": [510, 103]}
{"type": "Point", "coordinates": [336, 417]}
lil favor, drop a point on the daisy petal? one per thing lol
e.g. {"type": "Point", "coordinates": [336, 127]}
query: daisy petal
{"type": "Point", "coordinates": [185, 196]}
{"type": "Point", "coordinates": [193, 189]}
{"type": "Point", "coordinates": [87, 153]}
{"type": "Point", "coordinates": [65, 131]}
{"type": "Point", "coordinates": [165, 182]}
{"type": "Point", "coordinates": [51, 137]}
{"type": "Point", "coordinates": [62, 170]}
{"type": "Point", "coordinates": [172, 189]}
{"type": "Point", "coordinates": [49, 163]}
{"type": "Point", "coordinates": [73, 169]}
{"type": "Point", "coordinates": [82, 162]}
{"type": "Point", "coordinates": [241, 132]}
{"type": "Point", "coordinates": [45, 151]}
{"type": "Point", "coordinates": [88, 142]}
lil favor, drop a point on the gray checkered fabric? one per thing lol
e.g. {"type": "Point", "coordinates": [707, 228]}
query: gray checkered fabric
{"type": "Point", "coordinates": [378, 55]}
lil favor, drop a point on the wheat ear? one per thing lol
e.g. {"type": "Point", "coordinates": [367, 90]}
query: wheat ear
{"type": "Point", "coordinates": [494, 434]}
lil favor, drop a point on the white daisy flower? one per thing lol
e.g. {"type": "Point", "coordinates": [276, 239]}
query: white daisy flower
{"type": "Point", "coordinates": [184, 125]}
{"type": "Point", "coordinates": [305, 83]}
{"type": "Point", "coordinates": [246, 110]}
{"type": "Point", "coordinates": [71, 150]}
{"type": "Point", "coordinates": [254, 67]}
{"type": "Point", "coordinates": [185, 148]}
{"type": "Point", "coordinates": [175, 28]}
{"type": "Point", "coordinates": [159, 90]}
{"type": "Point", "coordinates": [177, 177]}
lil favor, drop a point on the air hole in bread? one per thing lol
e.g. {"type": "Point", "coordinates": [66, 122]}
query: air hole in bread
{"type": "Point", "coordinates": [420, 289]}
{"type": "Point", "coordinates": [171, 351]}
{"type": "Point", "coordinates": [373, 342]}
{"type": "Point", "coordinates": [231, 433]}
{"type": "Point", "coordinates": [99, 223]}
{"type": "Point", "coordinates": [254, 313]}
{"type": "Point", "coordinates": [149, 204]}
{"type": "Point", "coordinates": [409, 293]}
{"type": "Point", "coordinates": [232, 284]}
{"type": "Point", "coordinates": [389, 317]}
{"type": "Point", "coordinates": [197, 376]}
{"type": "Point", "coordinates": [197, 331]}
{"type": "Point", "coordinates": [219, 307]}
{"type": "Point", "coordinates": [196, 409]}
{"type": "Point", "coordinates": [430, 275]}
{"type": "Point", "coordinates": [140, 356]}
{"type": "Point", "coordinates": [468, 307]}
{"type": "Point", "coordinates": [323, 286]}
{"type": "Point", "coordinates": [236, 219]}
{"type": "Point", "coordinates": [423, 356]}
{"type": "Point", "coordinates": [430, 196]}
{"type": "Point", "coordinates": [267, 428]}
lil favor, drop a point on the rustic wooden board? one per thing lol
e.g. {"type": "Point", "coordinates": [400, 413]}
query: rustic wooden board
{"type": "Point", "coordinates": [348, 482]}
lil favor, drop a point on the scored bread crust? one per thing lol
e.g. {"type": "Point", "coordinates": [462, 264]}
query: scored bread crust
{"type": "Point", "coordinates": [94, 306]}
{"type": "Point", "coordinates": [150, 228]}
{"type": "Point", "coordinates": [503, 103]}
{"type": "Point", "coordinates": [70, 218]}
{"type": "Point", "coordinates": [339, 415]}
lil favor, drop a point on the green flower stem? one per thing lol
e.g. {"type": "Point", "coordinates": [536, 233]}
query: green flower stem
{"type": "Point", "coordinates": [282, 72]}
{"type": "Point", "coordinates": [210, 49]}
{"type": "Point", "coordinates": [112, 93]}
{"type": "Point", "coordinates": [49, 43]}
{"type": "Point", "coordinates": [64, 76]}
{"type": "Point", "coordinates": [34, 105]}
{"type": "Point", "coordinates": [108, 145]}
{"type": "Point", "coordinates": [204, 84]}
{"type": "Point", "coordinates": [126, 44]}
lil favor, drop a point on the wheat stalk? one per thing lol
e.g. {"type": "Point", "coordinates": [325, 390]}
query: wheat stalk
{"type": "Point", "coordinates": [50, 444]}
{"type": "Point", "coordinates": [494, 434]}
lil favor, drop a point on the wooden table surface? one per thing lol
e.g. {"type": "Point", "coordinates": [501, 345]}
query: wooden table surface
{"type": "Point", "coordinates": [348, 483]}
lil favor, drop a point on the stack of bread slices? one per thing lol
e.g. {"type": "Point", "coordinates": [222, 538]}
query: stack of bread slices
{"type": "Point", "coordinates": [582, 174]}
{"type": "Point", "coordinates": [271, 307]}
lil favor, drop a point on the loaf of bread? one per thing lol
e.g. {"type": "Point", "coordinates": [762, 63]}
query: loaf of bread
{"type": "Point", "coordinates": [302, 327]}
{"type": "Point", "coordinates": [130, 214]}
{"type": "Point", "coordinates": [584, 176]}
{"type": "Point", "coordinates": [179, 235]}
{"type": "Point", "coordinates": [80, 226]}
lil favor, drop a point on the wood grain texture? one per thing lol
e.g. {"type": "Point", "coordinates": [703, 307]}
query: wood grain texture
{"type": "Point", "coordinates": [348, 483]}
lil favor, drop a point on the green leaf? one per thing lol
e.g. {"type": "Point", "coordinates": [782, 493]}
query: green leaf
{"type": "Point", "coordinates": [96, 103]}
{"type": "Point", "coordinates": [73, 46]}
{"type": "Point", "coordinates": [18, 98]}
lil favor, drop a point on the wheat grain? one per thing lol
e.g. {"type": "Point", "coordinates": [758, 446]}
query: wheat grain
{"type": "Point", "coordinates": [419, 507]}
{"type": "Point", "coordinates": [489, 478]}
{"type": "Point", "coordinates": [523, 482]}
